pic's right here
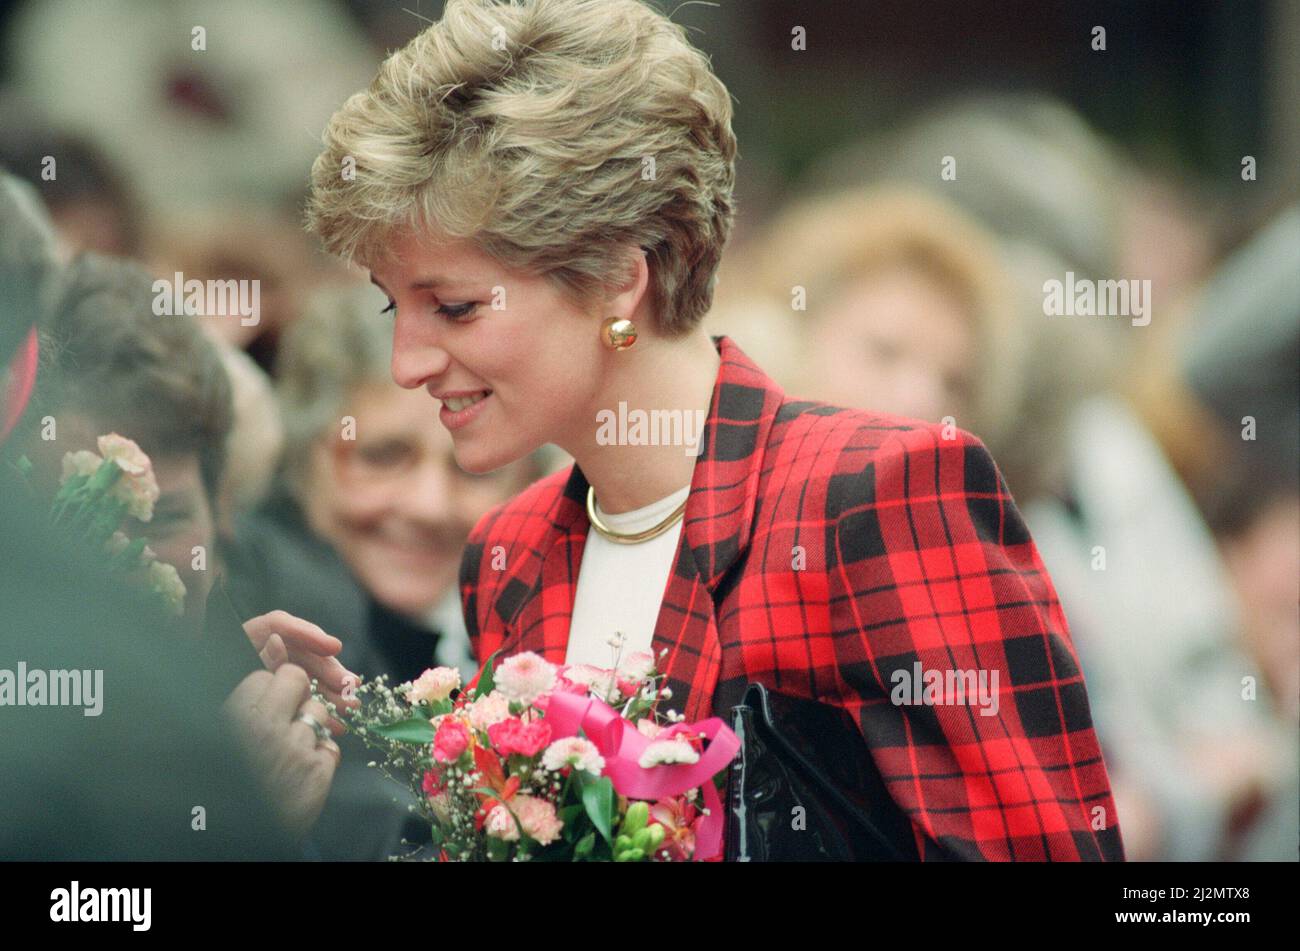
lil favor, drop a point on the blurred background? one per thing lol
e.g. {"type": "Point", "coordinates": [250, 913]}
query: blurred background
{"type": "Point", "coordinates": [913, 178]}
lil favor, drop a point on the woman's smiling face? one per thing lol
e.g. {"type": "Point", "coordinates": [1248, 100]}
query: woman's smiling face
{"type": "Point", "coordinates": [465, 325]}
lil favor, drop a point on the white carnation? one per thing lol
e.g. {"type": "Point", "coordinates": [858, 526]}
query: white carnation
{"type": "Point", "coordinates": [433, 685]}
{"type": "Point", "coordinates": [573, 751]}
{"type": "Point", "coordinates": [668, 752]}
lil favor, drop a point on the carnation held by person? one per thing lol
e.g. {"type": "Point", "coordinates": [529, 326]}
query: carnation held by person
{"type": "Point", "coordinates": [530, 765]}
{"type": "Point", "coordinates": [543, 190]}
{"type": "Point", "coordinates": [97, 493]}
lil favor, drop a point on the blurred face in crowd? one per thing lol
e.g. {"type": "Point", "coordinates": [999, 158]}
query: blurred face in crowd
{"type": "Point", "coordinates": [1264, 562]}
{"type": "Point", "coordinates": [89, 225]}
{"type": "Point", "coordinates": [182, 517]}
{"type": "Point", "coordinates": [393, 501]}
{"type": "Point", "coordinates": [536, 356]}
{"type": "Point", "coordinates": [894, 341]}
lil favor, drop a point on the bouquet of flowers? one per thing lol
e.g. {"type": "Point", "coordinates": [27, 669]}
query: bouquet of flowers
{"type": "Point", "coordinates": [96, 491]}
{"type": "Point", "coordinates": [545, 763]}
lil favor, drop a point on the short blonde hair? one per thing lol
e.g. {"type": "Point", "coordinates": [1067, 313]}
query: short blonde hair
{"type": "Point", "coordinates": [548, 132]}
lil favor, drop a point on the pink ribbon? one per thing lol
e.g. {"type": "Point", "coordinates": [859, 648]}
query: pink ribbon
{"type": "Point", "coordinates": [621, 744]}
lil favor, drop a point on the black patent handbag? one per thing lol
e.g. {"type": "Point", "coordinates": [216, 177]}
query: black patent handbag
{"type": "Point", "coordinates": [804, 787]}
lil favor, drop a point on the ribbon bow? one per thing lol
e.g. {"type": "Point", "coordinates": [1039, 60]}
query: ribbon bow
{"type": "Point", "coordinates": [621, 744]}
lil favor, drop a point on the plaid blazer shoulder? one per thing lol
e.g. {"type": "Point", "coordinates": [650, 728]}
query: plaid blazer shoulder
{"type": "Point", "coordinates": [851, 558]}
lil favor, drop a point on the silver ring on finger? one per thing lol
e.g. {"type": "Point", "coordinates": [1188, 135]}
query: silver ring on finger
{"type": "Point", "coordinates": [322, 733]}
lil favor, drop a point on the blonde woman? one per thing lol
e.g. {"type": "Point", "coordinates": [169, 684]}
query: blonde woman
{"type": "Point", "coordinates": [543, 190]}
{"type": "Point", "coordinates": [900, 304]}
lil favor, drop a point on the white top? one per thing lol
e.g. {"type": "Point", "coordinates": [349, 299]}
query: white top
{"type": "Point", "coordinates": [621, 587]}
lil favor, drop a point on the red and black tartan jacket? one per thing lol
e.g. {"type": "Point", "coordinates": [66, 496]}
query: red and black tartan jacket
{"type": "Point", "coordinates": [823, 550]}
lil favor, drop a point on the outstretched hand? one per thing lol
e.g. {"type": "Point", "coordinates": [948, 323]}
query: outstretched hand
{"type": "Point", "coordinates": [280, 638]}
{"type": "Point", "coordinates": [295, 766]}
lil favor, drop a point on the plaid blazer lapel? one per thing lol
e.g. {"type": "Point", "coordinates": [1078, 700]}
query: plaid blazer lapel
{"type": "Point", "coordinates": [718, 523]}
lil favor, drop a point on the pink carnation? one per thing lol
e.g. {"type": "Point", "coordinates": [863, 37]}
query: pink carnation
{"type": "Point", "coordinates": [130, 458]}
{"type": "Point", "coordinates": [607, 685]}
{"type": "Point", "coordinates": [587, 675]}
{"type": "Point", "coordinates": [538, 818]}
{"type": "Point", "coordinates": [451, 740]}
{"type": "Point", "coordinates": [137, 486]}
{"type": "Point", "coordinates": [603, 684]}
{"type": "Point", "coordinates": [487, 710]}
{"type": "Point", "coordinates": [513, 736]}
{"type": "Point", "coordinates": [524, 677]}
{"type": "Point", "coordinates": [638, 666]}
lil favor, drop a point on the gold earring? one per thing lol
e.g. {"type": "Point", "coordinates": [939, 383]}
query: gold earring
{"type": "Point", "coordinates": [617, 333]}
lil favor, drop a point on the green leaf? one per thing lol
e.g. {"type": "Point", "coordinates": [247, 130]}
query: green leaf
{"type": "Point", "coordinates": [598, 799]}
{"type": "Point", "coordinates": [103, 478]}
{"type": "Point", "coordinates": [67, 492]}
{"type": "Point", "coordinates": [584, 846]}
{"type": "Point", "coordinates": [575, 823]}
{"type": "Point", "coordinates": [133, 552]}
{"type": "Point", "coordinates": [436, 708]}
{"type": "Point", "coordinates": [486, 680]}
{"type": "Point", "coordinates": [415, 730]}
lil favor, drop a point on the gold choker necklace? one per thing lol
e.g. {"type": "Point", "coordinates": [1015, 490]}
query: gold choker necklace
{"type": "Point", "coordinates": [631, 538]}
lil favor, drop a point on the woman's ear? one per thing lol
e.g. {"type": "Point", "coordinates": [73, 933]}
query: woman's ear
{"type": "Point", "coordinates": [630, 296]}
